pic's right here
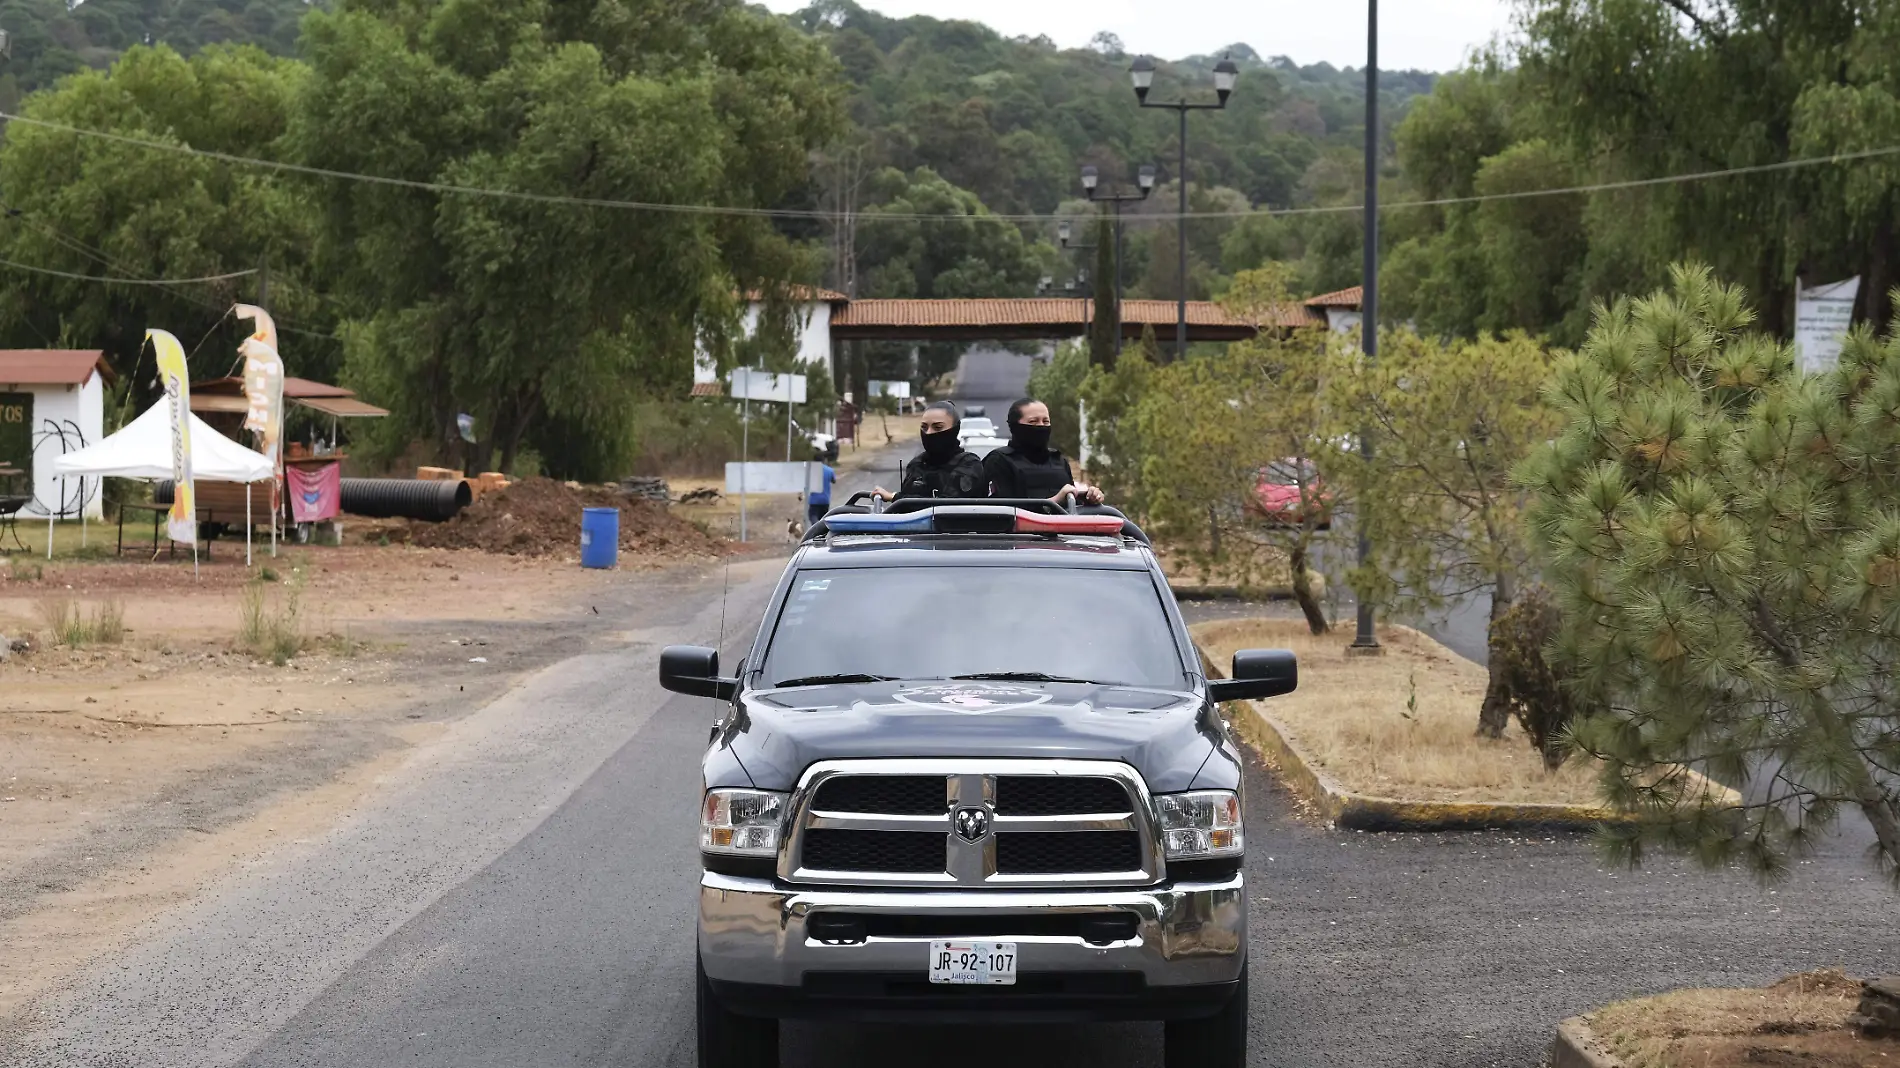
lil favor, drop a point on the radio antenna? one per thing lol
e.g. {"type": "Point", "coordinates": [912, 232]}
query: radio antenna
{"type": "Point", "coordinates": [725, 587]}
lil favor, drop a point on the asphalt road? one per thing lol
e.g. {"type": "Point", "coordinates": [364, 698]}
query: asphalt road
{"type": "Point", "coordinates": [521, 894]}
{"type": "Point", "coordinates": [993, 378]}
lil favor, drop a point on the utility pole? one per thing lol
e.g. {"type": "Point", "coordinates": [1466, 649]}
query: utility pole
{"type": "Point", "coordinates": [1366, 638]}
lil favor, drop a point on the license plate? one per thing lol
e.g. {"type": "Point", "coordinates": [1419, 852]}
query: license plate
{"type": "Point", "coordinates": [973, 963]}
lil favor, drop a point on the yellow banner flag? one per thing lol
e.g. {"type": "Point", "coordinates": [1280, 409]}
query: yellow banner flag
{"type": "Point", "coordinates": [182, 522]}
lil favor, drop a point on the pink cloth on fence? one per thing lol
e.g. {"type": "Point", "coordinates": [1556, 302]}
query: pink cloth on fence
{"type": "Point", "coordinates": [316, 493]}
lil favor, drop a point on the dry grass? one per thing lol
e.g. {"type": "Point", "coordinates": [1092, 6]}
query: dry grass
{"type": "Point", "coordinates": [270, 616]}
{"type": "Point", "coordinates": [1248, 567]}
{"type": "Point", "coordinates": [1399, 725]}
{"type": "Point", "coordinates": [1684, 1026]}
{"type": "Point", "coordinates": [68, 624]}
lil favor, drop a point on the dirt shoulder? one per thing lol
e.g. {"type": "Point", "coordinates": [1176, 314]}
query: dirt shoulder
{"type": "Point", "coordinates": [1402, 724]}
{"type": "Point", "coordinates": [134, 771]}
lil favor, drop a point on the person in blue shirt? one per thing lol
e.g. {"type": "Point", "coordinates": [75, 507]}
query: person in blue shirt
{"type": "Point", "coordinates": [818, 501]}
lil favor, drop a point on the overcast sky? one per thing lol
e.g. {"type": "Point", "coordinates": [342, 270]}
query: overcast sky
{"type": "Point", "coordinates": [1423, 34]}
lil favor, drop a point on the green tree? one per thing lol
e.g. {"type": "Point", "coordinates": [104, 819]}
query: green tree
{"type": "Point", "coordinates": [541, 317]}
{"type": "Point", "coordinates": [1451, 421]}
{"type": "Point", "coordinates": [1720, 533]}
{"type": "Point", "coordinates": [103, 208]}
{"type": "Point", "coordinates": [970, 254]}
{"type": "Point", "coordinates": [1116, 453]}
{"type": "Point", "coordinates": [1210, 426]}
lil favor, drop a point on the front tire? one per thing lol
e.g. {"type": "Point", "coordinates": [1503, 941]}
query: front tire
{"type": "Point", "coordinates": [729, 1040]}
{"type": "Point", "coordinates": [1217, 1041]}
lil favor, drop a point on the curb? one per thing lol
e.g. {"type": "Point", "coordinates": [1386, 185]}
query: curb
{"type": "Point", "coordinates": [1576, 1046]}
{"type": "Point", "coordinates": [1364, 812]}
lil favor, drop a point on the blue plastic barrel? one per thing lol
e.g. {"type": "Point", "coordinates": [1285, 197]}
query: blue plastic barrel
{"type": "Point", "coordinates": [600, 536]}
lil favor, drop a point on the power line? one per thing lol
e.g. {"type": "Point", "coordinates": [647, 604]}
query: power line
{"type": "Point", "coordinates": [124, 281]}
{"type": "Point", "coordinates": [874, 215]}
{"type": "Point", "coordinates": [99, 256]}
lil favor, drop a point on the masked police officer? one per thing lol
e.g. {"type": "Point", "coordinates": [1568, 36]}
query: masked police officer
{"type": "Point", "coordinates": [1029, 467]}
{"type": "Point", "coordinates": [944, 468]}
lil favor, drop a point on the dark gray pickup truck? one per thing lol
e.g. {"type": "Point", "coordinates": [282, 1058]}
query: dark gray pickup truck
{"type": "Point", "coordinates": [970, 770]}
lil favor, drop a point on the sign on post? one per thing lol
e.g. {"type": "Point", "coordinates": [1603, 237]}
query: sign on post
{"type": "Point", "coordinates": [748, 384]}
{"type": "Point", "coordinates": [800, 477]}
{"type": "Point", "coordinates": [1822, 315]}
{"type": "Point", "coordinates": [900, 390]}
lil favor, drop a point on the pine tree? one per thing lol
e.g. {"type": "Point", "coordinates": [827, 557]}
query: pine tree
{"type": "Point", "coordinates": [1723, 535]}
{"type": "Point", "coordinates": [1107, 322]}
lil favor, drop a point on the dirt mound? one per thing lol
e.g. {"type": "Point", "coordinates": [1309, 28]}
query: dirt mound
{"type": "Point", "coordinates": [542, 517]}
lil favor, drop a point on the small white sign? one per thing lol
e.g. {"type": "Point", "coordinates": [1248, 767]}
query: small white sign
{"type": "Point", "coordinates": [749, 384]}
{"type": "Point", "coordinates": [775, 477]}
{"type": "Point", "coordinates": [900, 390]}
{"type": "Point", "coordinates": [1822, 315]}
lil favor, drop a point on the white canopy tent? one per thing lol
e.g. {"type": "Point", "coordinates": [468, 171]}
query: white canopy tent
{"type": "Point", "coordinates": [143, 449]}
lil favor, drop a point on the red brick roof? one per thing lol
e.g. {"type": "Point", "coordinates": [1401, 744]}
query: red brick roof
{"type": "Point", "coordinates": [1024, 311]}
{"type": "Point", "coordinates": [52, 367]}
{"type": "Point", "coordinates": [1343, 298]}
{"type": "Point", "coordinates": [1165, 313]}
{"type": "Point", "coordinates": [804, 295]}
{"type": "Point", "coordinates": [973, 312]}
{"type": "Point", "coordinates": [709, 389]}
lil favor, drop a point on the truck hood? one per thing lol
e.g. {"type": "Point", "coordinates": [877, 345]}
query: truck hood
{"type": "Point", "coordinates": [1167, 736]}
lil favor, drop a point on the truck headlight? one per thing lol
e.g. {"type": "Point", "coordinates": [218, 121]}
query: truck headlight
{"type": "Point", "coordinates": [741, 822]}
{"type": "Point", "coordinates": [1201, 823]}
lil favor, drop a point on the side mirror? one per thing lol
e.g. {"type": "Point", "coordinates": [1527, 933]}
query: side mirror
{"type": "Point", "coordinates": [1257, 673]}
{"type": "Point", "coordinates": [690, 669]}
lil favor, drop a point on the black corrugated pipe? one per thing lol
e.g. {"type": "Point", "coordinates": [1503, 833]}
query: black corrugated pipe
{"type": "Point", "coordinates": [384, 498]}
{"type": "Point", "coordinates": [409, 498]}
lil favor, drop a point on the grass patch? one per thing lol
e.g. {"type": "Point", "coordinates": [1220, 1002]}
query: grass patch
{"type": "Point", "coordinates": [270, 617]}
{"type": "Point", "coordinates": [69, 624]}
{"type": "Point", "coordinates": [1804, 1015]}
{"type": "Point", "coordinates": [1400, 725]}
{"type": "Point", "coordinates": [25, 571]}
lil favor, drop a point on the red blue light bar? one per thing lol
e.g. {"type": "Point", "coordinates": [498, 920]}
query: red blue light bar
{"type": "Point", "coordinates": [968, 519]}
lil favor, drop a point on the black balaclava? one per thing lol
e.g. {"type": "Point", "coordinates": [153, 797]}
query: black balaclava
{"type": "Point", "coordinates": [1030, 440]}
{"type": "Point", "coordinates": [943, 445]}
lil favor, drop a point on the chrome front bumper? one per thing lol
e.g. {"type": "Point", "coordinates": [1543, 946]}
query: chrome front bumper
{"type": "Point", "coordinates": [1190, 934]}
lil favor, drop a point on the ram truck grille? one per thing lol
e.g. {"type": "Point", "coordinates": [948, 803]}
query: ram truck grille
{"type": "Point", "coordinates": [971, 823]}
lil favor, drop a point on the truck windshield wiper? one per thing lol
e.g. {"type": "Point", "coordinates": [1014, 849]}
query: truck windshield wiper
{"type": "Point", "coordinates": [1020, 676]}
{"type": "Point", "coordinates": [823, 680]}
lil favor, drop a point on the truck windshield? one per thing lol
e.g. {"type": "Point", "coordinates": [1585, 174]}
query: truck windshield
{"type": "Point", "coordinates": [940, 622]}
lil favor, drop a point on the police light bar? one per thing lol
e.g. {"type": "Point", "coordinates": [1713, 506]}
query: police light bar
{"type": "Point", "coordinates": [1031, 523]}
{"type": "Point", "coordinates": [883, 523]}
{"type": "Point", "coordinates": [972, 519]}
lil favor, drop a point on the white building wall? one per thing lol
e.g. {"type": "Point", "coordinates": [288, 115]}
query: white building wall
{"type": "Point", "coordinates": [813, 339]}
{"type": "Point", "coordinates": [83, 406]}
{"type": "Point", "coordinates": [1341, 320]}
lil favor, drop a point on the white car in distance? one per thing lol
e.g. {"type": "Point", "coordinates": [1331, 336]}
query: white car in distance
{"type": "Point", "coordinates": [975, 426]}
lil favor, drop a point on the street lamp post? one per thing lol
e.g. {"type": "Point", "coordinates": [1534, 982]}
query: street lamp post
{"type": "Point", "coordinates": [1366, 638]}
{"type": "Point", "coordinates": [1142, 73]}
{"type": "Point", "coordinates": [1065, 234]}
{"type": "Point", "coordinates": [1145, 187]}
